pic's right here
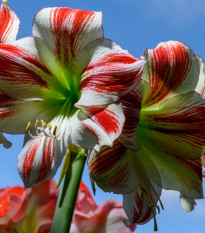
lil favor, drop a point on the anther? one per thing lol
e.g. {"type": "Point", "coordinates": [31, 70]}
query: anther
{"type": "Point", "coordinates": [155, 221]}
{"type": "Point", "coordinates": [43, 123]}
{"type": "Point", "coordinates": [36, 124]}
{"type": "Point", "coordinates": [158, 209]}
{"type": "Point", "coordinates": [161, 204]}
{"type": "Point", "coordinates": [28, 126]}
{"type": "Point", "coordinates": [49, 126]}
{"type": "Point", "coordinates": [54, 130]}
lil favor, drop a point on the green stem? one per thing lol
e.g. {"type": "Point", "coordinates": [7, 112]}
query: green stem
{"type": "Point", "coordinates": [68, 194]}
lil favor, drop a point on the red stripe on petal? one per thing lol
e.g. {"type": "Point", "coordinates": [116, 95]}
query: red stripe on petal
{"type": "Point", "coordinates": [29, 159]}
{"type": "Point", "coordinates": [7, 113]}
{"type": "Point", "coordinates": [12, 70]}
{"type": "Point", "coordinates": [107, 121]}
{"type": "Point", "coordinates": [106, 159]}
{"type": "Point", "coordinates": [49, 152]}
{"type": "Point", "coordinates": [9, 24]}
{"type": "Point", "coordinates": [67, 38]}
{"type": "Point", "coordinates": [80, 25]}
{"type": "Point", "coordinates": [169, 66]}
{"type": "Point", "coordinates": [110, 74]}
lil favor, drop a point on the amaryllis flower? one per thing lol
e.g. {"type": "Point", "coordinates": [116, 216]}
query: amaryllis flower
{"type": "Point", "coordinates": [9, 25]}
{"type": "Point", "coordinates": [108, 217]}
{"type": "Point", "coordinates": [166, 115]}
{"type": "Point", "coordinates": [28, 210]}
{"type": "Point", "coordinates": [63, 85]}
{"type": "Point", "coordinates": [31, 210]}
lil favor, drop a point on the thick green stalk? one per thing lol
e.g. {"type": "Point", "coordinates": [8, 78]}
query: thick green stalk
{"type": "Point", "coordinates": [68, 194]}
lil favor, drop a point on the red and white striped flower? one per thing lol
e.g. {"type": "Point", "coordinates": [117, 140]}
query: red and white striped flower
{"type": "Point", "coordinates": [65, 84]}
{"type": "Point", "coordinates": [166, 116]}
{"type": "Point", "coordinates": [9, 25]}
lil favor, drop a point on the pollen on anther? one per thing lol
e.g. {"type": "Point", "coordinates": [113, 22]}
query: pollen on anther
{"type": "Point", "coordinates": [54, 130]}
{"type": "Point", "coordinates": [43, 123]}
{"type": "Point", "coordinates": [49, 126]}
{"type": "Point", "coordinates": [36, 124]}
{"type": "Point", "coordinates": [28, 126]}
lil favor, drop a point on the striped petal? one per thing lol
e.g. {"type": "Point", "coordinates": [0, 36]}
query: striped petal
{"type": "Point", "coordinates": [112, 170]}
{"type": "Point", "coordinates": [99, 125]}
{"type": "Point", "coordinates": [137, 206]}
{"type": "Point", "coordinates": [109, 72]}
{"type": "Point", "coordinates": [6, 144]}
{"type": "Point", "coordinates": [177, 125]}
{"type": "Point", "coordinates": [40, 159]}
{"type": "Point", "coordinates": [9, 24]}
{"type": "Point", "coordinates": [180, 174]}
{"type": "Point", "coordinates": [15, 114]}
{"type": "Point", "coordinates": [171, 69]}
{"type": "Point", "coordinates": [67, 30]}
{"type": "Point", "coordinates": [131, 107]}
{"type": "Point", "coordinates": [22, 75]}
{"type": "Point", "coordinates": [201, 84]}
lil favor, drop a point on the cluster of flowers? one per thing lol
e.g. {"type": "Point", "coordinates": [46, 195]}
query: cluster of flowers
{"type": "Point", "coordinates": [31, 210]}
{"type": "Point", "coordinates": [142, 119]}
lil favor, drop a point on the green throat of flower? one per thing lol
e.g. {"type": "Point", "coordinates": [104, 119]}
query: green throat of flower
{"type": "Point", "coordinates": [63, 92]}
{"type": "Point", "coordinates": [58, 106]}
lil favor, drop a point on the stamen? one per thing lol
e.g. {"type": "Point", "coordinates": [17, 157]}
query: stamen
{"type": "Point", "coordinates": [135, 205]}
{"type": "Point", "coordinates": [36, 124]}
{"type": "Point", "coordinates": [93, 185]}
{"type": "Point", "coordinates": [49, 126]}
{"type": "Point", "coordinates": [158, 209]}
{"type": "Point", "coordinates": [155, 221]}
{"type": "Point", "coordinates": [54, 130]}
{"type": "Point", "coordinates": [43, 123]}
{"type": "Point", "coordinates": [28, 126]}
{"type": "Point", "coordinates": [161, 204]}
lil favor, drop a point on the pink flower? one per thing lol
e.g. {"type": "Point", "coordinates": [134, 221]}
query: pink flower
{"type": "Point", "coordinates": [31, 210]}
{"type": "Point", "coordinates": [28, 210]}
{"type": "Point", "coordinates": [107, 217]}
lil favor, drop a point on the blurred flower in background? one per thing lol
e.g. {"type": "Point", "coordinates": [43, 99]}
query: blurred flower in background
{"type": "Point", "coordinates": [31, 210]}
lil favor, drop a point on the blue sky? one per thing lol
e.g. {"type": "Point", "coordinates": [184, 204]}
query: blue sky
{"type": "Point", "coordinates": [135, 25]}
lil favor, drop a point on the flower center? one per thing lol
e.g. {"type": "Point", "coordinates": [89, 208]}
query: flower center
{"type": "Point", "coordinates": [64, 91]}
{"type": "Point", "coordinates": [59, 99]}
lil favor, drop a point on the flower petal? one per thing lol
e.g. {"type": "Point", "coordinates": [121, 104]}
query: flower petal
{"type": "Point", "coordinates": [15, 114]}
{"type": "Point", "coordinates": [131, 107]}
{"type": "Point", "coordinates": [171, 69]}
{"type": "Point", "coordinates": [201, 84]}
{"type": "Point", "coordinates": [40, 159]}
{"type": "Point", "coordinates": [183, 175]}
{"type": "Point", "coordinates": [97, 125]}
{"type": "Point", "coordinates": [9, 24]}
{"type": "Point", "coordinates": [187, 204]}
{"type": "Point", "coordinates": [109, 72]}
{"type": "Point", "coordinates": [137, 207]}
{"type": "Point", "coordinates": [176, 125]}
{"type": "Point", "coordinates": [6, 144]}
{"type": "Point", "coordinates": [22, 75]}
{"type": "Point", "coordinates": [67, 30]}
{"type": "Point", "coordinates": [111, 169]}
